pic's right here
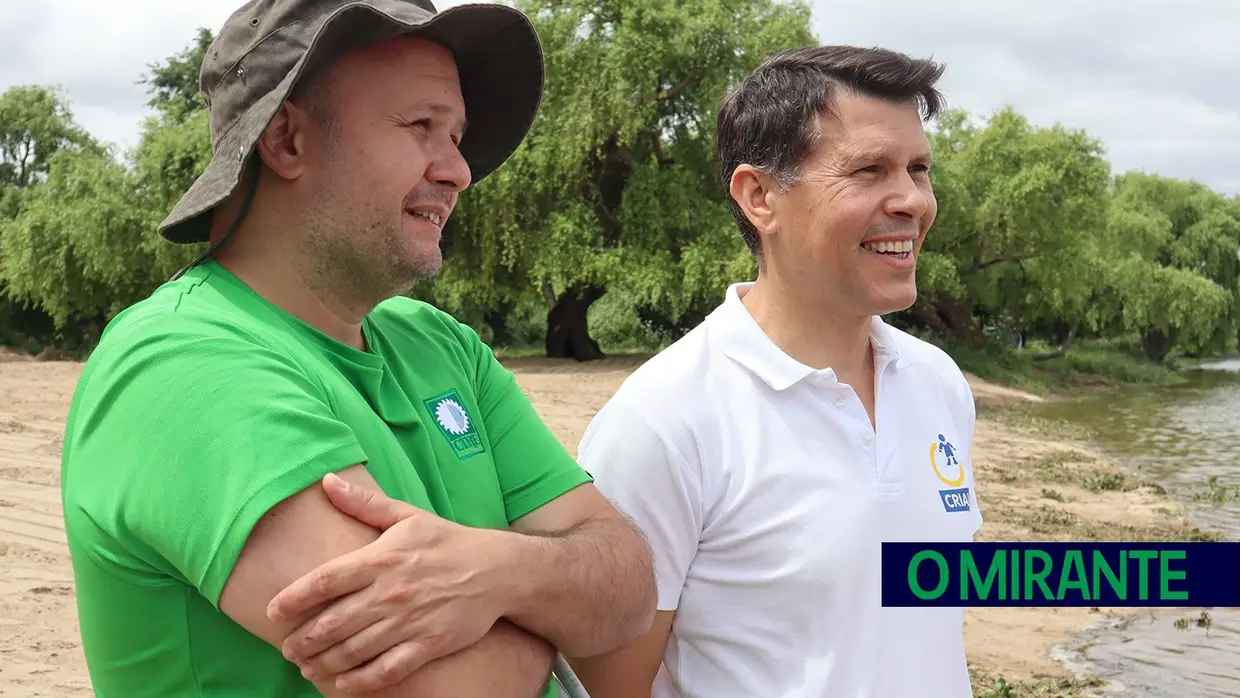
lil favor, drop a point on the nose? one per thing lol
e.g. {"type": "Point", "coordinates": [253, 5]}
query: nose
{"type": "Point", "coordinates": [449, 169]}
{"type": "Point", "coordinates": [911, 200]}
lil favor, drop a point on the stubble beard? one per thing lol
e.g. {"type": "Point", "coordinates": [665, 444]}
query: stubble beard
{"type": "Point", "coordinates": [360, 261]}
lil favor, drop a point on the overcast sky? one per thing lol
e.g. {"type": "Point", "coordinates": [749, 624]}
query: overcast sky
{"type": "Point", "coordinates": [1155, 84]}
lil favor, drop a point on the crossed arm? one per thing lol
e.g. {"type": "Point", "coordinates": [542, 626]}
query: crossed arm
{"type": "Point", "coordinates": [576, 576]}
{"type": "Point", "coordinates": [507, 662]}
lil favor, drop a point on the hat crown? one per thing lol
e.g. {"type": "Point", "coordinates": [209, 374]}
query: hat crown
{"type": "Point", "coordinates": [261, 42]}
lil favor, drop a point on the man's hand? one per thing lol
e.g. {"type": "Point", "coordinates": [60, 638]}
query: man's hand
{"type": "Point", "coordinates": [422, 591]}
{"type": "Point", "coordinates": [573, 572]}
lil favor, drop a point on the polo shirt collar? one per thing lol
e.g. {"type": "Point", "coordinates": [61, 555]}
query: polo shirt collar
{"type": "Point", "coordinates": [740, 337]}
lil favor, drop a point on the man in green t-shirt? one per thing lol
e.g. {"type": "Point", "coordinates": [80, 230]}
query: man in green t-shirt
{"type": "Point", "coordinates": [280, 418]}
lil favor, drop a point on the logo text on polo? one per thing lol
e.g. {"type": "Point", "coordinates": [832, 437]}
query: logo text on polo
{"type": "Point", "coordinates": [456, 424]}
{"type": "Point", "coordinates": [955, 500]}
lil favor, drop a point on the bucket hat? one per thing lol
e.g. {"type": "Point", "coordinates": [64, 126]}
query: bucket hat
{"type": "Point", "coordinates": [267, 46]}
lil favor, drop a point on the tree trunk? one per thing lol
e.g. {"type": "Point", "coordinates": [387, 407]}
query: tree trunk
{"type": "Point", "coordinates": [1063, 347]}
{"type": "Point", "coordinates": [568, 326]}
{"type": "Point", "coordinates": [1156, 344]}
{"type": "Point", "coordinates": [951, 318]}
{"type": "Point", "coordinates": [548, 294]}
{"type": "Point", "coordinates": [497, 320]}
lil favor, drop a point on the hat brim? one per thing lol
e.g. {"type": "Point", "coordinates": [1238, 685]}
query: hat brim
{"type": "Point", "coordinates": [499, 59]}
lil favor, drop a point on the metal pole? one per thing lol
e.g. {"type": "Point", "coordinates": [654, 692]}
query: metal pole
{"type": "Point", "coordinates": [564, 675]}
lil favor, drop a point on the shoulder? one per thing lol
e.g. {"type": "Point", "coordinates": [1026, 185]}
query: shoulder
{"type": "Point", "coordinates": [670, 382]}
{"type": "Point", "coordinates": [411, 312]}
{"type": "Point", "coordinates": [418, 321]}
{"type": "Point", "coordinates": [160, 366]}
{"type": "Point", "coordinates": [663, 401]}
{"type": "Point", "coordinates": [934, 365]}
{"type": "Point", "coordinates": [178, 342]}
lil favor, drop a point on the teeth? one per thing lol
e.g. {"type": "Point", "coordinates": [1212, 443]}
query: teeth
{"type": "Point", "coordinates": [890, 246]}
{"type": "Point", "coordinates": [432, 217]}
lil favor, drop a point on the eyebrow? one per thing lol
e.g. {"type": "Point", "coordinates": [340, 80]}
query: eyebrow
{"type": "Point", "coordinates": [924, 157]}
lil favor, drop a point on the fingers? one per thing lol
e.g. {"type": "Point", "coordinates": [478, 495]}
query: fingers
{"type": "Point", "coordinates": [355, 651]}
{"type": "Point", "coordinates": [335, 625]}
{"type": "Point", "coordinates": [366, 505]}
{"type": "Point", "coordinates": [389, 668]}
{"type": "Point", "coordinates": [343, 575]}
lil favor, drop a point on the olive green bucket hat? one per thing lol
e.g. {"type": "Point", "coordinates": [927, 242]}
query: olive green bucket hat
{"type": "Point", "coordinates": [267, 46]}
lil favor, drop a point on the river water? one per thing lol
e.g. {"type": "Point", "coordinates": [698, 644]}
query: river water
{"type": "Point", "coordinates": [1186, 438]}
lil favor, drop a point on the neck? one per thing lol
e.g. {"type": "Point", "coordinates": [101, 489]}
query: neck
{"type": "Point", "coordinates": [265, 262]}
{"type": "Point", "coordinates": [811, 330]}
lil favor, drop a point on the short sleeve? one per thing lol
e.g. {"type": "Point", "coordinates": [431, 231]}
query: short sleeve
{"type": "Point", "coordinates": [964, 395]}
{"type": "Point", "coordinates": [651, 482]}
{"type": "Point", "coordinates": [532, 465]}
{"type": "Point", "coordinates": [181, 438]}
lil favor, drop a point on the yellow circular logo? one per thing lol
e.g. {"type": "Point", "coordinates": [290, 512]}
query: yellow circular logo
{"type": "Point", "coordinates": [943, 445]}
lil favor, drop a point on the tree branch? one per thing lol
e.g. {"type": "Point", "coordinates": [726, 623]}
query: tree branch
{"type": "Point", "coordinates": [958, 242]}
{"type": "Point", "coordinates": [674, 92]}
{"type": "Point", "coordinates": [626, 157]}
{"type": "Point", "coordinates": [999, 260]}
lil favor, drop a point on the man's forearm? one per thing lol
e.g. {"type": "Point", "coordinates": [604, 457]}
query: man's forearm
{"type": "Point", "coordinates": [588, 590]}
{"type": "Point", "coordinates": [508, 662]}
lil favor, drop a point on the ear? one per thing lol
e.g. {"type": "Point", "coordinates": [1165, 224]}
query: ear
{"type": "Point", "coordinates": [752, 189]}
{"type": "Point", "coordinates": [282, 144]}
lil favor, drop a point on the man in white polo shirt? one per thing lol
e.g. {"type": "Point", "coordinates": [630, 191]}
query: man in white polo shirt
{"type": "Point", "coordinates": [768, 453]}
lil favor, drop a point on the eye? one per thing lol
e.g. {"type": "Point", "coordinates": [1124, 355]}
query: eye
{"type": "Point", "coordinates": [920, 168]}
{"type": "Point", "coordinates": [872, 169]}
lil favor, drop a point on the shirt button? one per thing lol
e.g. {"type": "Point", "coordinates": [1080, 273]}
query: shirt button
{"type": "Point", "coordinates": [839, 402]}
{"type": "Point", "coordinates": [868, 439]}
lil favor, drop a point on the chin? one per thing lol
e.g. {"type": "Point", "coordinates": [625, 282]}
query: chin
{"type": "Point", "coordinates": [893, 300]}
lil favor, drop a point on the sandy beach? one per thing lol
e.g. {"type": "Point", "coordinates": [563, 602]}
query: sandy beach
{"type": "Point", "coordinates": [1031, 487]}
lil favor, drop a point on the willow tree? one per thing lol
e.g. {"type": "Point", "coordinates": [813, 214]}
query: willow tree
{"type": "Point", "coordinates": [36, 124]}
{"type": "Point", "coordinates": [615, 188]}
{"type": "Point", "coordinates": [1015, 243]}
{"type": "Point", "coordinates": [1179, 281]}
{"type": "Point", "coordinates": [83, 243]}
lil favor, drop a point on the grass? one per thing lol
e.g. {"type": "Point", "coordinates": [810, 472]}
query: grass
{"type": "Point", "coordinates": [1087, 365]}
{"type": "Point", "coordinates": [1059, 475]}
{"type": "Point", "coordinates": [1217, 493]}
{"type": "Point", "coordinates": [987, 686]}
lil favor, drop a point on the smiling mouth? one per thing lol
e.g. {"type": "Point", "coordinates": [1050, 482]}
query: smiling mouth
{"type": "Point", "coordinates": [428, 215]}
{"type": "Point", "coordinates": [900, 249]}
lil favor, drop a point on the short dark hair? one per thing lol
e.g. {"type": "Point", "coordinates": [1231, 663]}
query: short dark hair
{"type": "Point", "coordinates": [769, 121]}
{"type": "Point", "coordinates": [314, 92]}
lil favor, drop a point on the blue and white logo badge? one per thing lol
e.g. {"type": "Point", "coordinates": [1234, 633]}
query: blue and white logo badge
{"type": "Point", "coordinates": [950, 472]}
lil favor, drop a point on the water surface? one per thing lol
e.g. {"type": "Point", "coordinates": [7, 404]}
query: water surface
{"type": "Point", "coordinates": [1187, 439]}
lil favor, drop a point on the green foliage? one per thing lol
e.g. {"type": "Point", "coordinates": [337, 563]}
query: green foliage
{"type": "Point", "coordinates": [173, 85]}
{"type": "Point", "coordinates": [77, 225]}
{"type": "Point", "coordinates": [1180, 275]}
{"type": "Point", "coordinates": [35, 123]}
{"type": "Point", "coordinates": [1036, 242]}
{"type": "Point", "coordinates": [615, 187]}
{"type": "Point", "coordinates": [1091, 363]}
{"type": "Point", "coordinates": [72, 248]}
{"type": "Point", "coordinates": [1016, 233]}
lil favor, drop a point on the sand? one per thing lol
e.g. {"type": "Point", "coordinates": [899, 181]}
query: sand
{"type": "Point", "coordinates": [1030, 486]}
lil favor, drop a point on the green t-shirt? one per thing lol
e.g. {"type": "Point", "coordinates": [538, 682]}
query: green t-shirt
{"type": "Point", "coordinates": [204, 406]}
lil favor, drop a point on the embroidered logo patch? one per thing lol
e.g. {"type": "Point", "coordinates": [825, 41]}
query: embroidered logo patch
{"type": "Point", "coordinates": [950, 472]}
{"type": "Point", "coordinates": [455, 423]}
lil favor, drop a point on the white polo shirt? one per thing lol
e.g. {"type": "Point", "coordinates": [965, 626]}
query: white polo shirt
{"type": "Point", "coordinates": [765, 494]}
